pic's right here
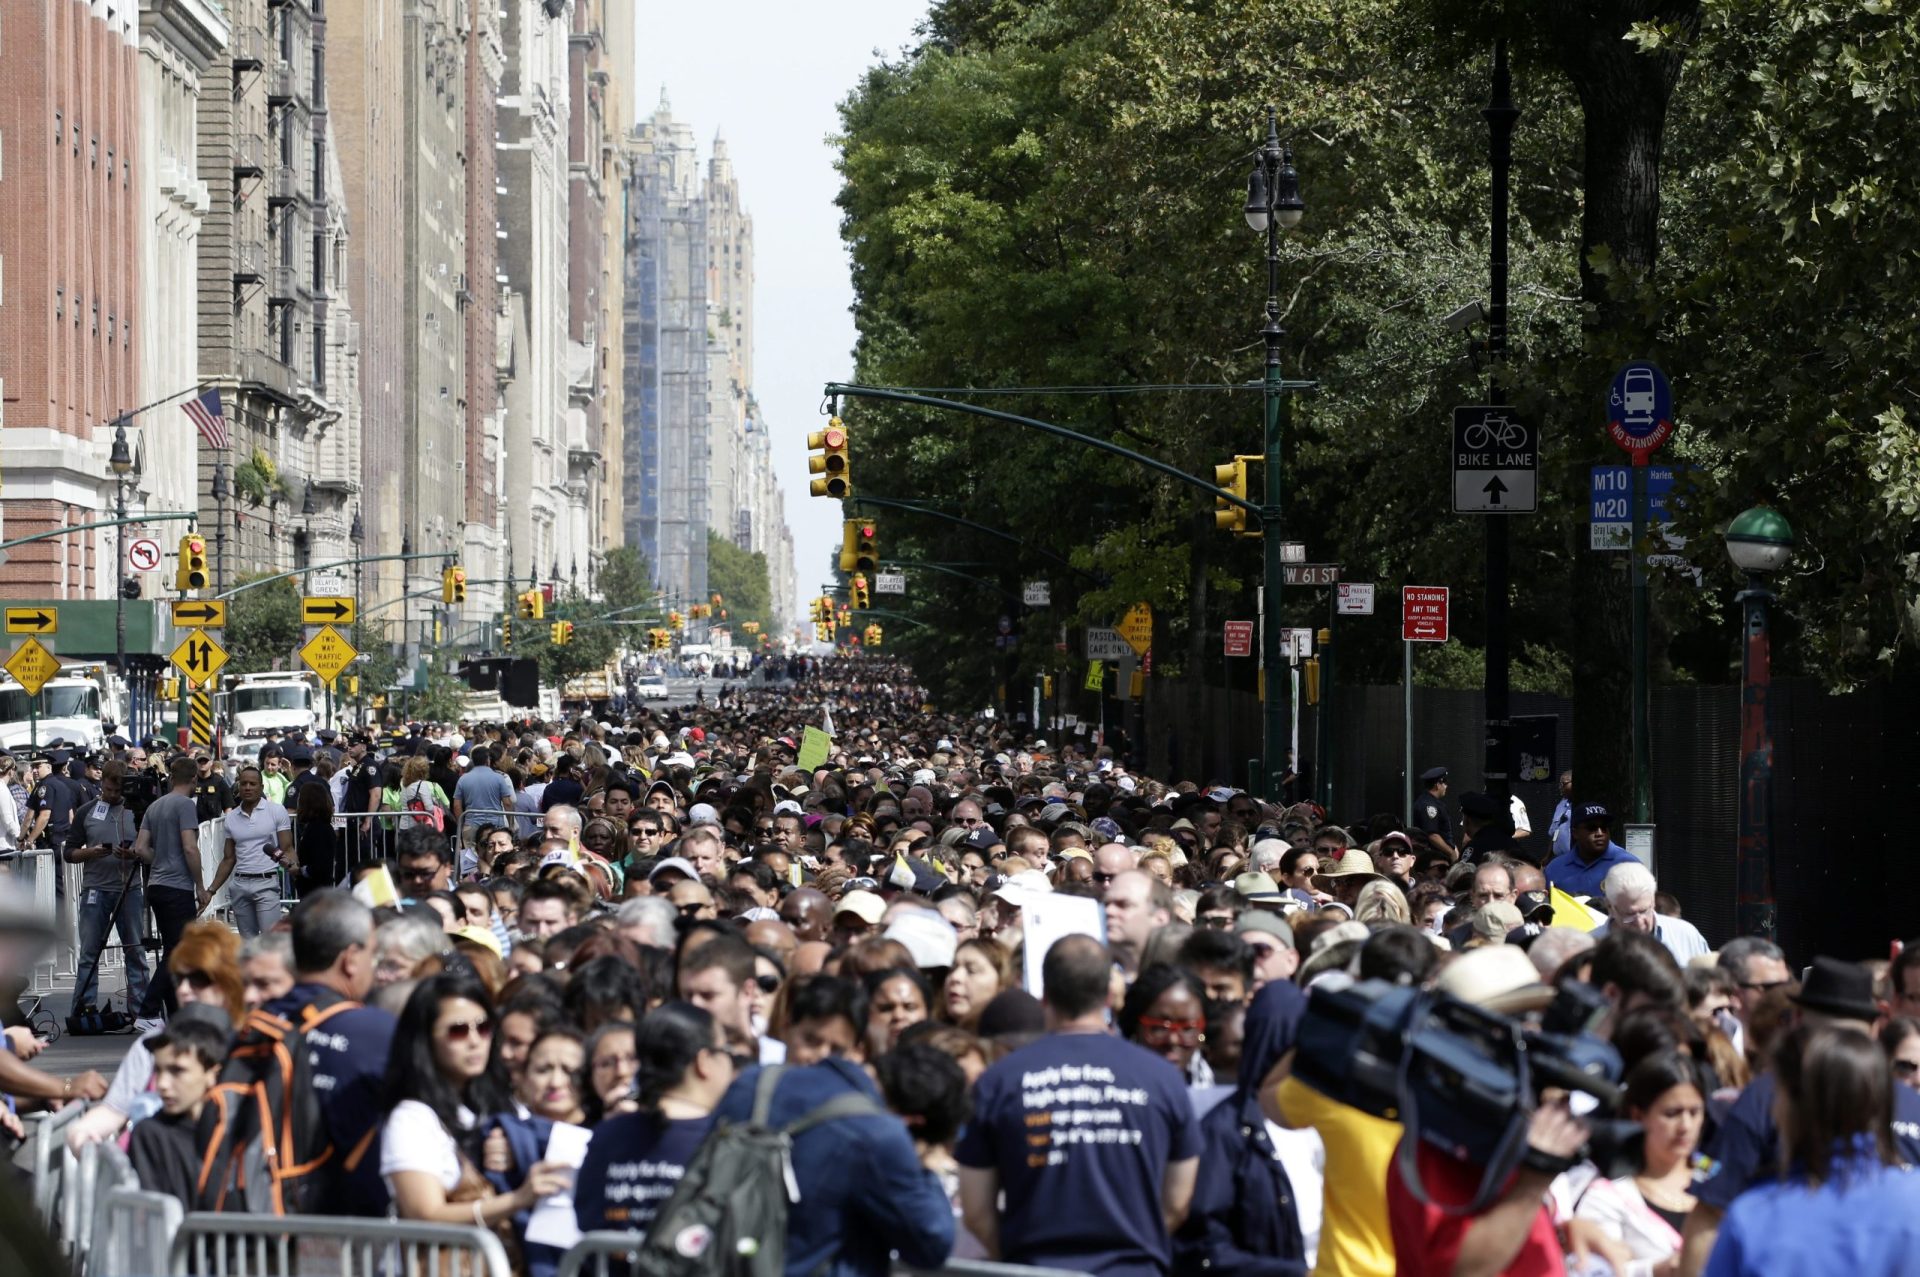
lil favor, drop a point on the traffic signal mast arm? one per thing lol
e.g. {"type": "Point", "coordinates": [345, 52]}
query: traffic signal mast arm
{"type": "Point", "coordinates": [1045, 427]}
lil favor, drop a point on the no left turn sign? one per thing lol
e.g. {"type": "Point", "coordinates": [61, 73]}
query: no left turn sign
{"type": "Point", "coordinates": [143, 554]}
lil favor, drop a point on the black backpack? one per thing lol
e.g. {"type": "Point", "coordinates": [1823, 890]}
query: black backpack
{"type": "Point", "coordinates": [728, 1215]}
{"type": "Point", "coordinates": [263, 1141]}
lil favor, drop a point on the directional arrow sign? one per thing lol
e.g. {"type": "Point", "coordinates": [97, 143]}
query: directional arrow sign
{"type": "Point", "coordinates": [32, 620]}
{"type": "Point", "coordinates": [200, 614]}
{"type": "Point", "coordinates": [327, 654]}
{"type": "Point", "coordinates": [326, 609]}
{"type": "Point", "coordinates": [199, 658]}
{"type": "Point", "coordinates": [32, 665]}
{"type": "Point", "coordinates": [1496, 461]}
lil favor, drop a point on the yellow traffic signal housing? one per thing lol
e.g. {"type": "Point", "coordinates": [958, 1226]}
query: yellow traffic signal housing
{"type": "Point", "coordinates": [849, 539]}
{"type": "Point", "coordinates": [506, 634]}
{"type": "Point", "coordinates": [453, 585]}
{"type": "Point", "coordinates": [866, 546]}
{"type": "Point", "coordinates": [560, 633]}
{"type": "Point", "coordinates": [533, 605]}
{"type": "Point", "coordinates": [830, 461]}
{"type": "Point", "coordinates": [858, 594]}
{"type": "Point", "coordinates": [192, 573]}
{"type": "Point", "coordinates": [1233, 477]}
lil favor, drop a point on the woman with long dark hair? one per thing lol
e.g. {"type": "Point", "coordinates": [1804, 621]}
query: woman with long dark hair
{"type": "Point", "coordinates": [1845, 1204]}
{"type": "Point", "coordinates": [316, 843]}
{"type": "Point", "coordinates": [441, 1085]}
{"type": "Point", "coordinates": [1647, 1212]}
{"type": "Point", "coordinates": [636, 1159]}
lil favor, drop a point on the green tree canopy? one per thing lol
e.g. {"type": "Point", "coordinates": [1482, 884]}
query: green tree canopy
{"type": "Point", "coordinates": [739, 577]}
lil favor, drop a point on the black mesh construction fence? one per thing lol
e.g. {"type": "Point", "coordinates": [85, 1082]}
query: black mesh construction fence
{"type": "Point", "coordinates": [1844, 786]}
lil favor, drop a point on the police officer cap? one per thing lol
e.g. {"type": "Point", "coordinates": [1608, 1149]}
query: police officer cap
{"type": "Point", "coordinates": [1433, 774]}
{"type": "Point", "coordinates": [327, 735]}
{"type": "Point", "coordinates": [58, 757]}
{"type": "Point", "coordinates": [300, 754]}
{"type": "Point", "coordinates": [116, 742]}
{"type": "Point", "coordinates": [1479, 806]}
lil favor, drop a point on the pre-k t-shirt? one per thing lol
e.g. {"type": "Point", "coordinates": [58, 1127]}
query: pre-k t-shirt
{"type": "Point", "coordinates": [1081, 1128]}
{"type": "Point", "coordinates": [633, 1164]}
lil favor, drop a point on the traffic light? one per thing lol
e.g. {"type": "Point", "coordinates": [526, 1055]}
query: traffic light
{"type": "Point", "coordinates": [533, 605]}
{"type": "Point", "coordinates": [676, 621]}
{"type": "Point", "coordinates": [560, 633]}
{"type": "Point", "coordinates": [866, 546]}
{"type": "Point", "coordinates": [873, 635]}
{"type": "Point", "coordinates": [453, 585]}
{"type": "Point", "coordinates": [830, 461]}
{"type": "Point", "coordinates": [506, 634]}
{"type": "Point", "coordinates": [1233, 477]}
{"type": "Point", "coordinates": [858, 594]}
{"type": "Point", "coordinates": [192, 574]}
{"type": "Point", "coordinates": [849, 540]}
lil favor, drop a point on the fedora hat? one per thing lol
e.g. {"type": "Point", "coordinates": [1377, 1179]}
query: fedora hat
{"type": "Point", "coordinates": [1354, 862]}
{"type": "Point", "coordinates": [1498, 978]}
{"type": "Point", "coordinates": [1838, 988]}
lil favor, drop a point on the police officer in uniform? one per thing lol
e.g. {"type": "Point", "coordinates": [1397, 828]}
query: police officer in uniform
{"type": "Point", "coordinates": [1486, 828]}
{"type": "Point", "coordinates": [1430, 819]}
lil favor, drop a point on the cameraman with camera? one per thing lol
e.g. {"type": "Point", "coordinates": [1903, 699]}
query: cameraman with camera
{"type": "Point", "coordinates": [1514, 1233]}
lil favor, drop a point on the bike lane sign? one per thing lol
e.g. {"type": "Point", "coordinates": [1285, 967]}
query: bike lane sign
{"type": "Point", "coordinates": [1496, 461]}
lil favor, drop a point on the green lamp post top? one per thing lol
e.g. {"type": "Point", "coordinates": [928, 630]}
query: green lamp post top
{"type": "Point", "coordinates": [1759, 540]}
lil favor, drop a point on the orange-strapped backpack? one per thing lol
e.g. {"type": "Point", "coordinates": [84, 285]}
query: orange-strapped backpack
{"type": "Point", "coordinates": [263, 1139]}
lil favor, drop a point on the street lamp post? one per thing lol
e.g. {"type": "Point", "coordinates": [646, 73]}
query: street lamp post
{"type": "Point", "coordinates": [1759, 542]}
{"type": "Point", "coordinates": [1273, 205]}
{"type": "Point", "coordinates": [120, 461]}
{"type": "Point", "coordinates": [356, 533]}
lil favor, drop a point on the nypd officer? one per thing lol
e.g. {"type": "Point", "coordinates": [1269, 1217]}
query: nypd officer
{"type": "Point", "coordinates": [1430, 819]}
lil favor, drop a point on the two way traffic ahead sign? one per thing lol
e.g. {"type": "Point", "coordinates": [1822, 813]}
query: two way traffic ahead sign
{"type": "Point", "coordinates": [1496, 461]}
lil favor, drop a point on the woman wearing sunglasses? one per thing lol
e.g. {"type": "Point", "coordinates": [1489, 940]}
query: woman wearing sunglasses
{"type": "Point", "coordinates": [441, 1086]}
{"type": "Point", "coordinates": [1165, 1012]}
{"type": "Point", "coordinates": [636, 1159]}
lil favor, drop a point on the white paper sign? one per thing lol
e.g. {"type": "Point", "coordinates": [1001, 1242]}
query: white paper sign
{"type": "Point", "coordinates": [1046, 917]}
{"type": "Point", "coordinates": [552, 1222]}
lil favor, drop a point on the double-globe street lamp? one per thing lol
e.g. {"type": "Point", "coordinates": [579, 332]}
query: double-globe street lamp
{"type": "Point", "coordinates": [1760, 543]}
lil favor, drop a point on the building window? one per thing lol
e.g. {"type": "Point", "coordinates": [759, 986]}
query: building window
{"type": "Point", "coordinates": [93, 152]}
{"type": "Point", "coordinates": [111, 325]}
{"type": "Point", "coordinates": [96, 317]}
{"type": "Point", "coordinates": [59, 128]}
{"type": "Point", "coordinates": [59, 303]}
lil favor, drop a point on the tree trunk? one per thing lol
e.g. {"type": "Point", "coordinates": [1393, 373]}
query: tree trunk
{"type": "Point", "coordinates": [1624, 95]}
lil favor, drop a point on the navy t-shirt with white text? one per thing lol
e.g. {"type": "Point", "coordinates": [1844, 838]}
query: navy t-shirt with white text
{"type": "Point", "coordinates": [1081, 1127]}
{"type": "Point", "coordinates": [633, 1164]}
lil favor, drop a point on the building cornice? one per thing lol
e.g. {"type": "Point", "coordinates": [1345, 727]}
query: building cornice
{"type": "Point", "coordinates": [197, 28]}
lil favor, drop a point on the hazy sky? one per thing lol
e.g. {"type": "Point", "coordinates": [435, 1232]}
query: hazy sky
{"type": "Point", "coordinates": [768, 74]}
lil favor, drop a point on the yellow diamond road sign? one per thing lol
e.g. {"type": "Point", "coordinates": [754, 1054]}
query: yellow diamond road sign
{"type": "Point", "coordinates": [32, 665]}
{"type": "Point", "coordinates": [327, 654]}
{"type": "Point", "coordinates": [199, 658]}
{"type": "Point", "coordinates": [326, 609]}
{"type": "Point", "coordinates": [1136, 627]}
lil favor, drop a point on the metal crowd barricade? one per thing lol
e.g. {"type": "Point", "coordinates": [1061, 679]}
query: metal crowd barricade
{"type": "Point", "coordinates": [278, 1246]}
{"type": "Point", "coordinates": [49, 1162]}
{"type": "Point", "coordinates": [100, 1169]}
{"type": "Point", "coordinates": [611, 1254]}
{"type": "Point", "coordinates": [133, 1234]}
{"type": "Point", "coordinates": [602, 1254]}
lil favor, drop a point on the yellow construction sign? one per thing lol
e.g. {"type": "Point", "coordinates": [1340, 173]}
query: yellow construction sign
{"type": "Point", "coordinates": [32, 665]}
{"type": "Point", "coordinates": [1136, 627]}
{"type": "Point", "coordinates": [328, 653]}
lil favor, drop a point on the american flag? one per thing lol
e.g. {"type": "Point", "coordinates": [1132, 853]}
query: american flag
{"type": "Point", "coordinates": [204, 411]}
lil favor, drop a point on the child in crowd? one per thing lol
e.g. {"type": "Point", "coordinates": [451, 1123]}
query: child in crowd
{"type": "Point", "coordinates": [187, 1058]}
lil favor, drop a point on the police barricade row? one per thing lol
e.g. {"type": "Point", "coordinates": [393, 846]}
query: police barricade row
{"type": "Point", "coordinates": [98, 1169]}
{"type": "Point", "coordinates": [280, 1246]}
{"type": "Point", "coordinates": [47, 1141]}
{"type": "Point", "coordinates": [611, 1254]}
{"type": "Point", "coordinates": [133, 1234]}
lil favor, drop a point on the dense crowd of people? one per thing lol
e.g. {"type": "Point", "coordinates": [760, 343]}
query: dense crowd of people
{"type": "Point", "coordinates": [1009, 998]}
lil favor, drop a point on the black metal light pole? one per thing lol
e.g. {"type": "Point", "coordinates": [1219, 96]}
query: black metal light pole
{"type": "Point", "coordinates": [1273, 205]}
{"type": "Point", "coordinates": [220, 524]}
{"type": "Point", "coordinates": [356, 533]}
{"type": "Point", "coordinates": [120, 461]}
{"type": "Point", "coordinates": [1501, 115]}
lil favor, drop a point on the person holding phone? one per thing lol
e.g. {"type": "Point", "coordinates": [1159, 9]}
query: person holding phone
{"type": "Point", "coordinates": [111, 894]}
